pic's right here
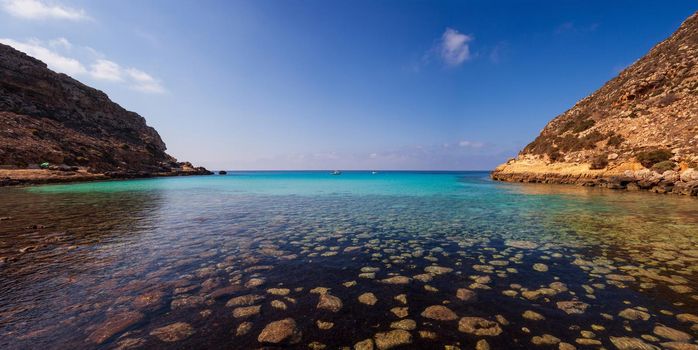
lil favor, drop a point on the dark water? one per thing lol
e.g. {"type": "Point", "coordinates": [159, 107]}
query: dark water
{"type": "Point", "coordinates": [107, 265]}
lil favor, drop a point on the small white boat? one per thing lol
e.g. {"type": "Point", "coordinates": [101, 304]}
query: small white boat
{"type": "Point", "coordinates": [336, 172]}
{"type": "Point", "coordinates": [374, 172]}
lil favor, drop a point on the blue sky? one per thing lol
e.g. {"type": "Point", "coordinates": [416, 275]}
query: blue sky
{"type": "Point", "coordinates": [342, 84]}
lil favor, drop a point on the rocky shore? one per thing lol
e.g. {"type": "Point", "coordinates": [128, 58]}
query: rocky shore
{"type": "Point", "coordinates": [631, 177]}
{"type": "Point", "coordinates": [639, 131]}
{"type": "Point", "coordinates": [53, 129]}
{"type": "Point", "coordinates": [22, 177]}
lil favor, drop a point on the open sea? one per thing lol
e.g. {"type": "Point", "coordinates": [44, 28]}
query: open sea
{"type": "Point", "coordinates": [307, 260]}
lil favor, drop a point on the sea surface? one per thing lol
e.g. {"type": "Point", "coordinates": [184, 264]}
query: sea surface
{"type": "Point", "coordinates": [398, 260]}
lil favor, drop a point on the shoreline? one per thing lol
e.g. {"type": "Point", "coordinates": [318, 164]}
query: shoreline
{"type": "Point", "coordinates": [31, 177]}
{"type": "Point", "coordinates": [629, 177]}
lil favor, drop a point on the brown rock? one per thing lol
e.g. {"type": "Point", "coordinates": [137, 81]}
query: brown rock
{"type": "Point", "coordinates": [368, 299]}
{"type": "Point", "coordinates": [329, 302]}
{"type": "Point", "coordinates": [479, 326]}
{"type": "Point", "coordinates": [672, 334]}
{"type": "Point", "coordinates": [626, 343]}
{"type": "Point", "coordinates": [246, 311]}
{"type": "Point", "coordinates": [173, 332]}
{"type": "Point", "coordinates": [280, 332]}
{"type": "Point", "coordinates": [391, 339]}
{"type": "Point", "coordinates": [248, 299]}
{"type": "Point", "coordinates": [466, 295]}
{"type": "Point", "coordinates": [572, 307]}
{"type": "Point", "coordinates": [440, 313]}
{"type": "Point", "coordinates": [113, 325]}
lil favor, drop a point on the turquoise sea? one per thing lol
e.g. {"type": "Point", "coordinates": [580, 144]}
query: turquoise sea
{"type": "Point", "coordinates": [303, 260]}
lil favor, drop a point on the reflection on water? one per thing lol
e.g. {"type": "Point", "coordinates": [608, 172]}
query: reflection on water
{"type": "Point", "coordinates": [307, 260]}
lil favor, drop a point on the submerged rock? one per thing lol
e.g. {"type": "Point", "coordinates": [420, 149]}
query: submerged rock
{"type": "Point", "coordinates": [246, 311]}
{"type": "Point", "coordinates": [248, 299]}
{"type": "Point", "coordinates": [545, 339]}
{"type": "Point", "coordinates": [672, 334]}
{"type": "Point", "coordinates": [324, 325]}
{"type": "Point", "coordinates": [626, 343]}
{"type": "Point", "coordinates": [366, 344]}
{"type": "Point", "coordinates": [572, 307]}
{"type": "Point", "coordinates": [634, 314]}
{"type": "Point", "coordinates": [400, 312]}
{"type": "Point", "coordinates": [533, 316]}
{"type": "Point", "coordinates": [396, 280]}
{"type": "Point", "coordinates": [479, 326]}
{"type": "Point", "coordinates": [391, 339]}
{"type": "Point", "coordinates": [440, 313]}
{"type": "Point", "coordinates": [329, 302]}
{"type": "Point", "coordinates": [282, 331]}
{"type": "Point", "coordinates": [465, 294]}
{"type": "Point", "coordinates": [113, 325]}
{"type": "Point", "coordinates": [437, 270]}
{"type": "Point", "coordinates": [368, 299]}
{"type": "Point", "coordinates": [243, 329]}
{"type": "Point", "coordinates": [405, 324]}
{"type": "Point", "coordinates": [173, 332]}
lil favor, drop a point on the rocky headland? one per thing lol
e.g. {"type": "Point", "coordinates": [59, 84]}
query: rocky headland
{"type": "Point", "coordinates": [55, 129]}
{"type": "Point", "coordinates": [637, 132]}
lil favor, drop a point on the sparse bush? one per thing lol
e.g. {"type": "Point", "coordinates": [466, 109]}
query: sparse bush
{"type": "Point", "coordinates": [614, 140]}
{"type": "Point", "coordinates": [663, 166]}
{"type": "Point", "coordinates": [652, 157]}
{"type": "Point", "coordinates": [578, 125]}
{"type": "Point", "coordinates": [555, 156]}
{"type": "Point", "coordinates": [599, 161]}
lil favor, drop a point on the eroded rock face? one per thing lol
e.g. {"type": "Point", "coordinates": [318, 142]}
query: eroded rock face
{"type": "Point", "coordinates": [50, 117]}
{"type": "Point", "coordinates": [606, 139]}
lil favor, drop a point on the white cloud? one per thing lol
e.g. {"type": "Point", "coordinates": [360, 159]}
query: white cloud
{"type": "Point", "coordinates": [36, 9]}
{"type": "Point", "coordinates": [470, 144]}
{"type": "Point", "coordinates": [100, 67]}
{"type": "Point", "coordinates": [454, 48]}
{"type": "Point", "coordinates": [106, 70]}
{"type": "Point", "coordinates": [53, 59]}
{"type": "Point", "coordinates": [61, 43]}
{"type": "Point", "coordinates": [143, 81]}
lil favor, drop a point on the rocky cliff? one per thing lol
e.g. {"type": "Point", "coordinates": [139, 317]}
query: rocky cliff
{"type": "Point", "coordinates": [50, 117]}
{"type": "Point", "coordinates": [638, 131]}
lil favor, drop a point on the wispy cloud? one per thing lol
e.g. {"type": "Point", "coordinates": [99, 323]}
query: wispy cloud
{"type": "Point", "coordinates": [55, 53]}
{"type": "Point", "coordinates": [144, 82]}
{"type": "Point", "coordinates": [53, 59]}
{"type": "Point", "coordinates": [571, 27]}
{"type": "Point", "coordinates": [470, 144]}
{"type": "Point", "coordinates": [464, 154]}
{"type": "Point", "coordinates": [40, 10]}
{"type": "Point", "coordinates": [106, 70]}
{"type": "Point", "coordinates": [454, 47]}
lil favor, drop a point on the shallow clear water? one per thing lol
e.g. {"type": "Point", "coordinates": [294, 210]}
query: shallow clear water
{"type": "Point", "coordinates": [108, 264]}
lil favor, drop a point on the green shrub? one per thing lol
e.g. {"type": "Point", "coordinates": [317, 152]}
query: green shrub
{"type": "Point", "coordinates": [652, 157]}
{"type": "Point", "coordinates": [599, 161]}
{"type": "Point", "coordinates": [663, 166]}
